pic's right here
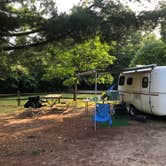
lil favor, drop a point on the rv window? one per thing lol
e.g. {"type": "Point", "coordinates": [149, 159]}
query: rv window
{"type": "Point", "coordinates": [145, 82]}
{"type": "Point", "coordinates": [129, 81]}
{"type": "Point", "coordinates": [121, 80]}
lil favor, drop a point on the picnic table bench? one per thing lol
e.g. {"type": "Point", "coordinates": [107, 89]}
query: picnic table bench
{"type": "Point", "coordinates": [52, 99]}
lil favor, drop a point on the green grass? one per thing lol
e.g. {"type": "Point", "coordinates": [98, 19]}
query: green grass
{"type": "Point", "coordinates": [120, 121]}
{"type": "Point", "coordinates": [9, 104]}
{"type": "Point", "coordinates": [64, 95]}
{"type": "Point", "coordinates": [79, 96]}
{"type": "Point", "coordinates": [116, 121]}
{"type": "Point", "coordinates": [7, 108]}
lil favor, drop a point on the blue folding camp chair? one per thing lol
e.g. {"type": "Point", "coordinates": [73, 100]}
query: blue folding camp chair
{"type": "Point", "coordinates": [102, 114]}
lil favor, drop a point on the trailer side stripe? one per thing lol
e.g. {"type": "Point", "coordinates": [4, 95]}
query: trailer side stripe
{"type": "Point", "coordinates": [140, 93]}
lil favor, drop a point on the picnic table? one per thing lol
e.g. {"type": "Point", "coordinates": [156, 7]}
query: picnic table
{"type": "Point", "coordinates": [52, 99]}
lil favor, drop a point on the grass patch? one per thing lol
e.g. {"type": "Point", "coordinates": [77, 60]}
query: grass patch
{"type": "Point", "coordinates": [79, 96]}
{"type": "Point", "coordinates": [116, 121]}
{"type": "Point", "coordinates": [120, 121]}
{"type": "Point", "coordinates": [7, 109]}
{"type": "Point", "coordinates": [9, 104]}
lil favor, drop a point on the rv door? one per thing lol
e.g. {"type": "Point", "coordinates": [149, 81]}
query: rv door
{"type": "Point", "coordinates": [145, 92]}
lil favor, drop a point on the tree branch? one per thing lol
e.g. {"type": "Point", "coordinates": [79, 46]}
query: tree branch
{"type": "Point", "coordinates": [41, 43]}
{"type": "Point", "coordinates": [9, 48]}
{"type": "Point", "coordinates": [20, 33]}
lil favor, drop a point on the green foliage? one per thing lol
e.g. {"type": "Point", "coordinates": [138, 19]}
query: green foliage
{"type": "Point", "coordinates": [152, 51]}
{"type": "Point", "coordinates": [107, 19]}
{"type": "Point", "coordinates": [126, 52]}
{"type": "Point", "coordinates": [4, 66]}
{"type": "Point", "coordinates": [115, 24]}
{"type": "Point", "coordinates": [83, 24]}
{"type": "Point", "coordinates": [82, 57]}
{"type": "Point", "coordinates": [163, 31]}
{"type": "Point", "coordinates": [105, 79]}
{"type": "Point", "coordinates": [69, 44]}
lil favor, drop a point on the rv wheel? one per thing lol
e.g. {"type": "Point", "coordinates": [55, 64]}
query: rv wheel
{"type": "Point", "coordinates": [131, 109]}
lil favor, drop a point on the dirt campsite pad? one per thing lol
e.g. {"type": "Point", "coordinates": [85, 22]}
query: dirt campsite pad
{"type": "Point", "coordinates": [69, 140]}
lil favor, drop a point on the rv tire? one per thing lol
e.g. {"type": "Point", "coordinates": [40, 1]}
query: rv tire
{"type": "Point", "coordinates": [131, 110]}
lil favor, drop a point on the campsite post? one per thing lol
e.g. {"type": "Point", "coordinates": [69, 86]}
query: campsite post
{"type": "Point", "coordinates": [75, 90]}
{"type": "Point", "coordinates": [95, 96]}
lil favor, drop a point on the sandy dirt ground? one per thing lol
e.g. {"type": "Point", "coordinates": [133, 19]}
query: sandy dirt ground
{"type": "Point", "coordinates": [70, 140]}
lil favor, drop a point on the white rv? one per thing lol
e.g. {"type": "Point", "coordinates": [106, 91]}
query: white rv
{"type": "Point", "coordinates": [144, 88]}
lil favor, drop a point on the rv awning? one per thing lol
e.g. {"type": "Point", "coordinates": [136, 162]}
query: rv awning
{"type": "Point", "coordinates": [145, 68]}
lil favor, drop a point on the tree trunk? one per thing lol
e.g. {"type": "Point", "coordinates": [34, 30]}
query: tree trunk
{"type": "Point", "coordinates": [75, 91]}
{"type": "Point", "coordinates": [18, 98]}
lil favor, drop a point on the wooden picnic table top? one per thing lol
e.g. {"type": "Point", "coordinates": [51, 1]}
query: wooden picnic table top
{"type": "Point", "coordinates": [53, 96]}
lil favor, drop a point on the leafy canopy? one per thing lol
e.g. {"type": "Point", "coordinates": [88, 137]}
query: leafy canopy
{"type": "Point", "coordinates": [89, 55]}
{"type": "Point", "coordinates": [152, 51]}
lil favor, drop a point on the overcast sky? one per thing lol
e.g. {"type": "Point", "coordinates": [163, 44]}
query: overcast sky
{"type": "Point", "coordinates": [66, 5]}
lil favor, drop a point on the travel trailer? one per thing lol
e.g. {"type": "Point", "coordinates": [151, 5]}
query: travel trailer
{"type": "Point", "coordinates": [144, 88]}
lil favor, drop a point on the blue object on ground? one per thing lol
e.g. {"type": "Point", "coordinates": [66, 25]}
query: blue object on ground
{"type": "Point", "coordinates": [113, 87]}
{"type": "Point", "coordinates": [102, 113]}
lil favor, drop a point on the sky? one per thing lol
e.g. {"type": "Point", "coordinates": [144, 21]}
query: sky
{"type": "Point", "coordinates": [66, 5]}
{"type": "Point", "coordinates": [136, 6]}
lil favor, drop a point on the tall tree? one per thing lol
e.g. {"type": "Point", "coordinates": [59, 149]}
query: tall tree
{"type": "Point", "coordinates": [82, 57]}
{"type": "Point", "coordinates": [127, 51]}
{"type": "Point", "coordinates": [152, 51]}
{"type": "Point", "coordinates": [109, 19]}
